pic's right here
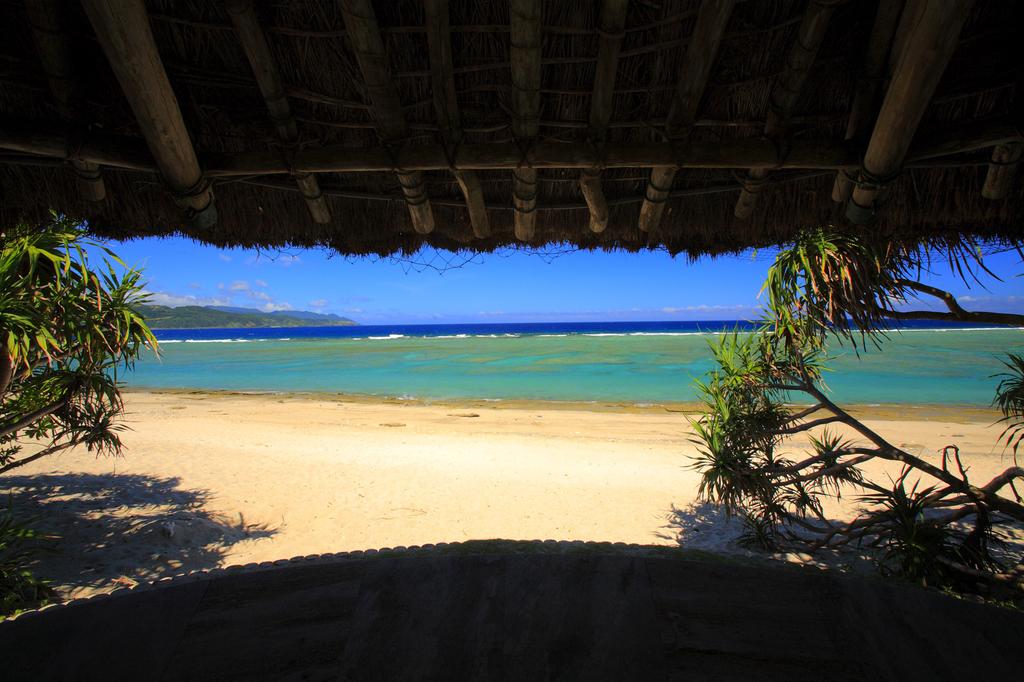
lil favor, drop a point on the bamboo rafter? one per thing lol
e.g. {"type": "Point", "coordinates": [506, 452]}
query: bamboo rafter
{"type": "Point", "coordinates": [268, 78]}
{"type": "Point", "coordinates": [524, 38]}
{"type": "Point", "coordinates": [446, 105]}
{"type": "Point", "coordinates": [124, 33]}
{"type": "Point", "coordinates": [802, 54]}
{"type": "Point", "coordinates": [922, 54]}
{"type": "Point", "coordinates": [611, 30]}
{"type": "Point", "coordinates": [53, 43]}
{"type": "Point", "coordinates": [700, 57]}
{"type": "Point", "coordinates": [364, 35]}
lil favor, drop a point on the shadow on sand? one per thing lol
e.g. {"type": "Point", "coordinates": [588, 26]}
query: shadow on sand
{"type": "Point", "coordinates": [118, 529]}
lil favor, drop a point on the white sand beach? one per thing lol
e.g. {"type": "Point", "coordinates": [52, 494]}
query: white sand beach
{"type": "Point", "coordinates": [213, 480]}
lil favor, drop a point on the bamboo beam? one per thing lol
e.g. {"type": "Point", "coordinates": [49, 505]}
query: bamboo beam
{"type": "Point", "coordinates": [866, 96]}
{"type": "Point", "coordinates": [1002, 171]}
{"type": "Point", "coordinates": [268, 78]}
{"type": "Point", "coordinates": [123, 30]}
{"type": "Point", "coordinates": [446, 105]}
{"type": "Point", "coordinates": [364, 35]}
{"type": "Point", "coordinates": [611, 30]}
{"type": "Point", "coordinates": [799, 60]}
{"type": "Point", "coordinates": [128, 153]}
{"type": "Point", "coordinates": [700, 58]}
{"type": "Point", "coordinates": [910, 15]}
{"type": "Point", "coordinates": [524, 58]}
{"type": "Point", "coordinates": [928, 49]}
{"type": "Point", "coordinates": [53, 43]}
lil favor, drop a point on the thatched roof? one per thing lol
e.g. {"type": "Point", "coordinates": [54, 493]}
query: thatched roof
{"type": "Point", "coordinates": [451, 109]}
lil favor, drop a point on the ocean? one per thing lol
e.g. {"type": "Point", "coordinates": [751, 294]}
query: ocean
{"type": "Point", "coordinates": [626, 362]}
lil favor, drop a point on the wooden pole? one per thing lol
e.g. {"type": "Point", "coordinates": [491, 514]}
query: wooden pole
{"type": "Point", "coordinates": [524, 37]}
{"type": "Point", "coordinates": [1002, 171]}
{"type": "Point", "coordinates": [53, 44]}
{"type": "Point", "coordinates": [128, 153]}
{"type": "Point", "coordinates": [268, 78]}
{"type": "Point", "coordinates": [799, 60]}
{"type": "Point", "coordinates": [866, 96]}
{"type": "Point", "coordinates": [928, 49]}
{"type": "Point", "coordinates": [611, 30]}
{"type": "Point", "coordinates": [446, 106]}
{"type": "Point", "coordinates": [700, 57]}
{"type": "Point", "coordinates": [364, 35]}
{"type": "Point", "coordinates": [123, 30]}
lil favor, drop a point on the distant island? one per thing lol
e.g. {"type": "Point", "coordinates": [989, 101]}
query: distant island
{"type": "Point", "coordinates": [204, 317]}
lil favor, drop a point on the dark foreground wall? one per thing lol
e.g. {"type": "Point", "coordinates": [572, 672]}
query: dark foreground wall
{"type": "Point", "coordinates": [593, 615]}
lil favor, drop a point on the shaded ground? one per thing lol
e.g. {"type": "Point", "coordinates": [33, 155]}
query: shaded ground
{"type": "Point", "coordinates": [101, 525]}
{"type": "Point", "coordinates": [487, 611]}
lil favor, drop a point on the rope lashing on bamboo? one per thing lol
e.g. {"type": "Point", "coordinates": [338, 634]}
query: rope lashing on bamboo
{"type": "Point", "coordinates": [753, 183]}
{"type": "Point", "coordinates": [663, 191]}
{"type": "Point", "coordinates": [203, 217]}
{"type": "Point", "coordinates": [525, 198]}
{"type": "Point", "coordinates": [415, 193]}
{"type": "Point", "coordinates": [878, 183]}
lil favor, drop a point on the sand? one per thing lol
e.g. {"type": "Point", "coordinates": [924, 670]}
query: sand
{"type": "Point", "coordinates": [212, 480]}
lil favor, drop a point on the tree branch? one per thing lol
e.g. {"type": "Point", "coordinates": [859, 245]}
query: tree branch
{"type": "Point", "coordinates": [805, 413]}
{"type": "Point", "coordinates": [828, 471]}
{"type": "Point", "coordinates": [806, 426]}
{"type": "Point", "coordinates": [956, 311]}
{"type": "Point", "coordinates": [39, 455]}
{"type": "Point", "coordinates": [33, 417]}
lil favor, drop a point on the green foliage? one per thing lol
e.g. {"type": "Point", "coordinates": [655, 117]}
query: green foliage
{"type": "Point", "coordinates": [849, 284]}
{"type": "Point", "coordinates": [1010, 401]}
{"type": "Point", "coordinates": [911, 545]}
{"type": "Point", "coordinates": [19, 589]}
{"type": "Point", "coordinates": [67, 329]}
{"type": "Point", "coordinates": [744, 420]}
{"type": "Point", "coordinates": [835, 285]}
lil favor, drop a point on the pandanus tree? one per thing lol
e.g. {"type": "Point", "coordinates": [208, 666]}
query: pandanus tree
{"type": "Point", "coordinates": [67, 329]}
{"type": "Point", "coordinates": [931, 522]}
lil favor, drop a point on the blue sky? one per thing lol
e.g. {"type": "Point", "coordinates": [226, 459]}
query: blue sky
{"type": "Point", "coordinates": [509, 286]}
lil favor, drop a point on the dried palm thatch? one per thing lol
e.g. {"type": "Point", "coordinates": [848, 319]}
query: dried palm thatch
{"type": "Point", "coordinates": [377, 127]}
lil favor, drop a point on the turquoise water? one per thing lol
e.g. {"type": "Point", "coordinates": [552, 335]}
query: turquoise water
{"type": "Point", "coordinates": [917, 366]}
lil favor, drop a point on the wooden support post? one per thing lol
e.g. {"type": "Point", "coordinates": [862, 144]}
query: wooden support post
{"type": "Point", "coordinates": [866, 97]}
{"type": "Point", "coordinates": [524, 37]}
{"type": "Point", "coordinates": [928, 49]}
{"type": "Point", "coordinates": [123, 30]}
{"type": "Point", "coordinates": [700, 58]}
{"type": "Point", "coordinates": [799, 60]}
{"type": "Point", "coordinates": [386, 107]}
{"type": "Point", "coordinates": [1002, 171]}
{"type": "Point", "coordinates": [610, 31]}
{"type": "Point", "coordinates": [268, 78]}
{"type": "Point", "coordinates": [446, 106]}
{"type": "Point", "coordinates": [53, 43]}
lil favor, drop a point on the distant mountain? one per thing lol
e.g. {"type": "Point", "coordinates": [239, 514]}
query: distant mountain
{"type": "Point", "coordinates": [201, 317]}
{"type": "Point", "coordinates": [298, 314]}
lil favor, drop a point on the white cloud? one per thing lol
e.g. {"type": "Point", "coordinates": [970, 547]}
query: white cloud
{"type": "Point", "coordinates": [260, 283]}
{"type": "Point", "coordinates": [318, 303]}
{"type": "Point", "coordinates": [176, 300]}
{"type": "Point", "coordinates": [271, 307]}
{"type": "Point", "coordinates": [224, 257]}
{"type": "Point", "coordinates": [287, 260]}
{"type": "Point", "coordinates": [239, 285]}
